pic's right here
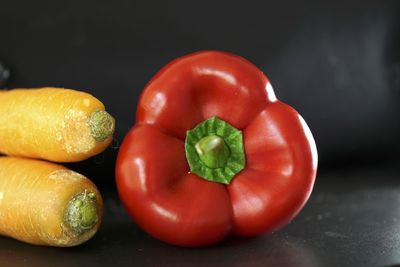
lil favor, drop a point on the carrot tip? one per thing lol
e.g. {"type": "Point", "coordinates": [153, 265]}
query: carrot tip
{"type": "Point", "coordinates": [82, 214]}
{"type": "Point", "coordinates": [101, 125]}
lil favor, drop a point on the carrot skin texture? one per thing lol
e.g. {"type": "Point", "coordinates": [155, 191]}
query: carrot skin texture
{"type": "Point", "coordinates": [49, 123]}
{"type": "Point", "coordinates": [34, 197]}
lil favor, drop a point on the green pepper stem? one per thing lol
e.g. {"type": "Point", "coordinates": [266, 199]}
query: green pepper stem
{"type": "Point", "coordinates": [212, 151]}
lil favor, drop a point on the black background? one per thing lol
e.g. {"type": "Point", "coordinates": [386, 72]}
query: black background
{"type": "Point", "coordinates": [336, 62]}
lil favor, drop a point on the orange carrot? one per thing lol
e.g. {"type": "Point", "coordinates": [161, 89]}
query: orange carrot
{"type": "Point", "coordinates": [55, 124]}
{"type": "Point", "coordinates": [44, 203]}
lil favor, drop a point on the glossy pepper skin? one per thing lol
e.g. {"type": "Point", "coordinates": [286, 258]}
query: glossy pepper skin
{"type": "Point", "coordinates": [181, 208]}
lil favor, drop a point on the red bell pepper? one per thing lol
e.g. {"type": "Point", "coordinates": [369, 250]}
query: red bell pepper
{"type": "Point", "coordinates": [214, 152]}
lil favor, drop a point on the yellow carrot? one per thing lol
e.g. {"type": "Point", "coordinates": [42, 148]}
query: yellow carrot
{"type": "Point", "coordinates": [44, 203]}
{"type": "Point", "coordinates": [55, 124]}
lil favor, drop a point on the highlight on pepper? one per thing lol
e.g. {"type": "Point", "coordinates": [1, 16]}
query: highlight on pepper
{"type": "Point", "coordinates": [214, 153]}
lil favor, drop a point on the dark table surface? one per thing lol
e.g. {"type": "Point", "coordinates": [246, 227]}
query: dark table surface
{"type": "Point", "coordinates": [336, 62]}
{"type": "Point", "coordinates": [352, 219]}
